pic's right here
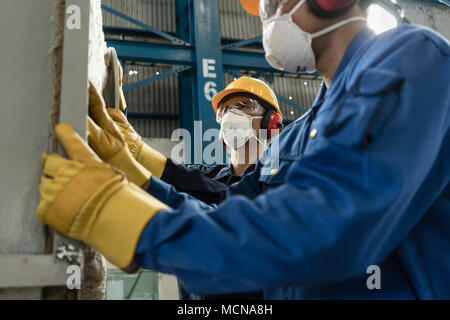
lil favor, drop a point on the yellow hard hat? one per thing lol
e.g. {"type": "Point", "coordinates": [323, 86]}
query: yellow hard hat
{"type": "Point", "coordinates": [251, 6]}
{"type": "Point", "coordinates": [248, 85]}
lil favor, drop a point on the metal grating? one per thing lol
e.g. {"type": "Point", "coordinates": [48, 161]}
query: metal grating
{"type": "Point", "coordinates": [236, 23]}
{"type": "Point", "coordinates": [159, 97]}
{"type": "Point", "coordinates": [159, 14]}
{"type": "Point", "coordinates": [432, 15]}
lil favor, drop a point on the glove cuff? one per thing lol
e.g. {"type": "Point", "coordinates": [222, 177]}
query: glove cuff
{"type": "Point", "coordinates": [153, 160]}
{"type": "Point", "coordinates": [120, 222]}
{"type": "Point", "coordinates": [134, 171]}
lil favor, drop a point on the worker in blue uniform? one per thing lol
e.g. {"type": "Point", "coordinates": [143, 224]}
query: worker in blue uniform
{"type": "Point", "coordinates": [361, 180]}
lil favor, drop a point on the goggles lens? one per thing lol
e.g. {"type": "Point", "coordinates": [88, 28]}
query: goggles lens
{"type": "Point", "coordinates": [249, 106]}
{"type": "Point", "coordinates": [269, 9]}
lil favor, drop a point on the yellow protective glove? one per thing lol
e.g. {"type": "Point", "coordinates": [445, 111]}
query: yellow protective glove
{"type": "Point", "coordinates": [109, 143]}
{"type": "Point", "coordinates": [151, 159]}
{"type": "Point", "coordinates": [122, 102]}
{"type": "Point", "coordinates": [89, 200]}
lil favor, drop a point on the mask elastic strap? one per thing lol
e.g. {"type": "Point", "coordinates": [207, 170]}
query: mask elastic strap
{"type": "Point", "coordinates": [258, 140]}
{"type": "Point", "coordinates": [337, 25]}
{"type": "Point", "coordinates": [296, 7]}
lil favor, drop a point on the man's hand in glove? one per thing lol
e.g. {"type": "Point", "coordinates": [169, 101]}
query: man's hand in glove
{"type": "Point", "coordinates": [109, 143]}
{"type": "Point", "coordinates": [88, 199]}
{"type": "Point", "coordinates": [151, 159]}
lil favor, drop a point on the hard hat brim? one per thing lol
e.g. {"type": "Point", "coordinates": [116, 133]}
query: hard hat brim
{"type": "Point", "coordinates": [251, 6]}
{"type": "Point", "coordinates": [222, 94]}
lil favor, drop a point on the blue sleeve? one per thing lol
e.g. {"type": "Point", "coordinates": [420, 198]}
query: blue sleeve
{"type": "Point", "coordinates": [343, 207]}
{"type": "Point", "coordinates": [195, 182]}
{"type": "Point", "coordinates": [170, 196]}
{"type": "Point", "coordinates": [249, 186]}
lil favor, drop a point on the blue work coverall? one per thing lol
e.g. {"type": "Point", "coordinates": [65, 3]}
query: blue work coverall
{"type": "Point", "coordinates": [362, 180]}
{"type": "Point", "coordinates": [208, 184]}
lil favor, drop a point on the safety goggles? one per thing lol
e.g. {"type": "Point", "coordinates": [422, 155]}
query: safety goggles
{"type": "Point", "coordinates": [249, 106]}
{"type": "Point", "coordinates": [270, 9]}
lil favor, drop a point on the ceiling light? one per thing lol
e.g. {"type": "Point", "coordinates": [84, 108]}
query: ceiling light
{"type": "Point", "coordinates": [379, 19]}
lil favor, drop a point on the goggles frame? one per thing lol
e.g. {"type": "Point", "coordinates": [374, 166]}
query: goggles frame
{"type": "Point", "coordinates": [250, 106]}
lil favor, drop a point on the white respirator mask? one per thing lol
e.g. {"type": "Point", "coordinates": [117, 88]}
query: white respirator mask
{"type": "Point", "coordinates": [236, 128]}
{"type": "Point", "coordinates": [287, 46]}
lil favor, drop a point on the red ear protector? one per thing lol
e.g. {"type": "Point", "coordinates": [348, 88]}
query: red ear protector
{"type": "Point", "coordinates": [330, 8]}
{"type": "Point", "coordinates": [334, 8]}
{"type": "Point", "coordinates": [271, 121]}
